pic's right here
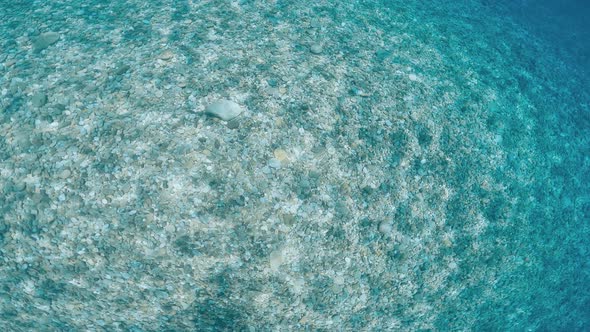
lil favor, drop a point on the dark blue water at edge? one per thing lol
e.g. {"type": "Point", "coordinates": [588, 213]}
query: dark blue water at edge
{"type": "Point", "coordinates": [564, 25]}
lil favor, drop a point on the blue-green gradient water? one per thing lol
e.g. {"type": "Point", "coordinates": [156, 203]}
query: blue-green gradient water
{"type": "Point", "coordinates": [269, 165]}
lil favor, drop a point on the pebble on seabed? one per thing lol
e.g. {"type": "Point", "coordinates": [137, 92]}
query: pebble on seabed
{"type": "Point", "coordinates": [45, 40]}
{"type": "Point", "coordinates": [224, 109]}
{"type": "Point", "coordinates": [316, 48]}
{"type": "Point", "coordinates": [39, 99]}
{"type": "Point", "coordinates": [385, 227]}
{"type": "Point", "coordinates": [166, 55]}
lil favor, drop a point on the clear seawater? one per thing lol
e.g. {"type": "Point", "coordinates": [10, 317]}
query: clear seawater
{"type": "Point", "coordinates": [394, 166]}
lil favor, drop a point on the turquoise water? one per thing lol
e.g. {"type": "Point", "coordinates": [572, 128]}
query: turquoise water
{"type": "Point", "coordinates": [294, 166]}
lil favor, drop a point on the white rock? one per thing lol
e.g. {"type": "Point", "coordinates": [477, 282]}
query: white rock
{"type": "Point", "coordinates": [316, 48]}
{"type": "Point", "coordinates": [276, 259]}
{"type": "Point", "coordinates": [385, 227]}
{"type": "Point", "coordinates": [274, 163]}
{"type": "Point", "coordinates": [224, 109]}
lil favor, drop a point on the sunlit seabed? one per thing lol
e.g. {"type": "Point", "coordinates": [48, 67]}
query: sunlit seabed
{"type": "Point", "coordinates": [382, 166]}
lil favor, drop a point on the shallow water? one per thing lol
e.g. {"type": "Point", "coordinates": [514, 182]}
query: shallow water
{"type": "Point", "coordinates": [384, 166]}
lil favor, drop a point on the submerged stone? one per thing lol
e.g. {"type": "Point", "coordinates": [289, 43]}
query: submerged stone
{"type": "Point", "coordinates": [224, 109]}
{"type": "Point", "coordinates": [316, 48]}
{"type": "Point", "coordinates": [39, 99]}
{"type": "Point", "coordinates": [45, 40]}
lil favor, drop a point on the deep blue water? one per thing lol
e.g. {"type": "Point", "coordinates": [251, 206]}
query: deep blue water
{"type": "Point", "coordinates": [563, 24]}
